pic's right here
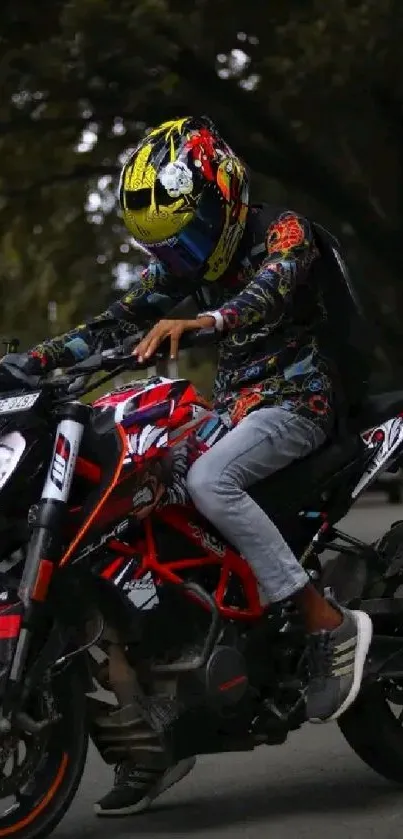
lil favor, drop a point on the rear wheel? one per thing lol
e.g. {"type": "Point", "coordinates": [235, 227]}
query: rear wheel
{"type": "Point", "coordinates": [373, 726]}
{"type": "Point", "coordinates": [374, 730]}
{"type": "Point", "coordinates": [394, 492]}
{"type": "Point", "coordinates": [40, 773]}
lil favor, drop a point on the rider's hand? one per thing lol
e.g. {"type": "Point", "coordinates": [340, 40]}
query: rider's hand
{"type": "Point", "coordinates": [172, 329]}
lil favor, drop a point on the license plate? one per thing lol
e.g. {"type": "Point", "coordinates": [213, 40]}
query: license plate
{"type": "Point", "coordinates": [12, 404]}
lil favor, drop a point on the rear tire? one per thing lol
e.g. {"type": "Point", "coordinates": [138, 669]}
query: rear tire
{"type": "Point", "coordinates": [370, 727]}
{"type": "Point", "coordinates": [375, 734]}
{"type": "Point", "coordinates": [394, 493]}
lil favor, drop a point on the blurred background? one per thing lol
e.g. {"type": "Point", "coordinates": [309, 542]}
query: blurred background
{"type": "Point", "coordinates": [309, 93]}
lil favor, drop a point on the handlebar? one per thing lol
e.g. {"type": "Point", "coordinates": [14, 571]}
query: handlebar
{"type": "Point", "coordinates": [109, 359]}
{"type": "Point", "coordinates": [74, 381]}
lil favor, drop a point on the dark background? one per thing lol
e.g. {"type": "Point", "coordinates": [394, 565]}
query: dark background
{"type": "Point", "coordinates": [313, 102]}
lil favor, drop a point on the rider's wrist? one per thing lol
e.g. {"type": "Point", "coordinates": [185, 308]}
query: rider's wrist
{"type": "Point", "coordinates": [218, 319]}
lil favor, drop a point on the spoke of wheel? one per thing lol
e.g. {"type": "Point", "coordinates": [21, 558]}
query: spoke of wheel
{"type": "Point", "coordinates": [12, 761]}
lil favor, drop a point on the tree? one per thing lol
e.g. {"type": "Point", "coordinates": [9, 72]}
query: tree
{"type": "Point", "coordinates": [309, 93]}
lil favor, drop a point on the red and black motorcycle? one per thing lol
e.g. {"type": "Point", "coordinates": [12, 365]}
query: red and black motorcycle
{"type": "Point", "coordinates": [105, 584]}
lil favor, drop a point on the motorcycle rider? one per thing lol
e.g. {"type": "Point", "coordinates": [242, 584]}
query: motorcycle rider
{"type": "Point", "coordinates": [185, 198]}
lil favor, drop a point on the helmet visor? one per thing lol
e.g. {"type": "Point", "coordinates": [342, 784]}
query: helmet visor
{"type": "Point", "coordinates": [187, 253]}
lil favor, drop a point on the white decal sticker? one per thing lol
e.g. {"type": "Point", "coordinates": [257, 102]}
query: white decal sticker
{"type": "Point", "coordinates": [61, 470]}
{"type": "Point", "coordinates": [140, 442]}
{"type": "Point", "coordinates": [142, 593]}
{"type": "Point", "coordinates": [385, 439]}
{"type": "Point", "coordinates": [177, 179]}
{"type": "Point", "coordinates": [60, 462]}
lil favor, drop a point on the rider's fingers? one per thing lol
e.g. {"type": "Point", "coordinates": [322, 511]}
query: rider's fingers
{"type": "Point", "coordinates": [150, 343]}
{"type": "Point", "coordinates": [139, 350]}
{"type": "Point", "coordinates": [175, 336]}
{"type": "Point", "coordinates": [155, 337]}
{"type": "Point", "coordinates": [153, 345]}
{"type": "Point", "coordinates": [143, 348]}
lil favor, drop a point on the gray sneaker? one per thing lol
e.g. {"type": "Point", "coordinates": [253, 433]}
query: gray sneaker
{"type": "Point", "coordinates": [336, 663]}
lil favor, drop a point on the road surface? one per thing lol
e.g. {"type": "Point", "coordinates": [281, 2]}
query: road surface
{"type": "Point", "coordinates": [313, 786]}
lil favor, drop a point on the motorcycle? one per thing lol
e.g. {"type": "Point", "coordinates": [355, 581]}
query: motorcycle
{"type": "Point", "coordinates": [104, 586]}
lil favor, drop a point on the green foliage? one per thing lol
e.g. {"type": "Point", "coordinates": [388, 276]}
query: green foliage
{"type": "Point", "coordinates": [315, 109]}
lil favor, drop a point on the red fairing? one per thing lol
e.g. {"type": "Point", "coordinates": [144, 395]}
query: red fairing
{"type": "Point", "coordinates": [202, 145]}
{"type": "Point", "coordinates": [110, 400]}
{"type": "Point", "coordinates": [146, 394]}
{"type": "Point", "coordinates": [215, 552]}
{"type": "Point", "coordinates": [149, 413]}
{"type": "Point", "coordinates": [10, 625]}
{"type": "Point", "coordinates": [152, 418]}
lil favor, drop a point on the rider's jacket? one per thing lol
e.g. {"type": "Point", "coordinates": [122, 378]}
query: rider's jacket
{"type": "Point", "coordinates": [269, 304]}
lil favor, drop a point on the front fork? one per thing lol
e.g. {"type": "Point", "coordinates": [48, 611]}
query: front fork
{"type": "Point", "coordinates": [45, 544]}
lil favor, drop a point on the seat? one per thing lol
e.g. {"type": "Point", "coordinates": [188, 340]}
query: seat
{"type": "Point", "coordinates": [292, 486]}
{"type": "Point", "coordinates": [378, 408]}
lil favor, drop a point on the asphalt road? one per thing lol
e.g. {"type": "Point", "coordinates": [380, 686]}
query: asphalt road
{"type": "Point", "coordinates": [313, 786]}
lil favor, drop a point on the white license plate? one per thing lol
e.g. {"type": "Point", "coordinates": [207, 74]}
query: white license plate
{"type": "Point", "coordinates": [12, 404]}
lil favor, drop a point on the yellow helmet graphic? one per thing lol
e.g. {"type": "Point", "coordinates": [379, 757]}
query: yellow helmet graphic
{"type": "Point", "coordinates": [184, 197]}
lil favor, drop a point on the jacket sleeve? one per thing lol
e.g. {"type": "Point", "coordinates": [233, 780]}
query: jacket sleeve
{"type": "Point", "coordinates": [290, 250]}
{"type": "Point", "coordinates": [150, 296]}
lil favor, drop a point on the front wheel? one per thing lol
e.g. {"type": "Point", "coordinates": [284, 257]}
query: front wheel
{"type": "Point", "coordinates": [40, 774]}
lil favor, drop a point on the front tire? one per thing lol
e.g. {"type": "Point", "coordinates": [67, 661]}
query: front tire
{"type": "Point", "coordinates": [43, 800]}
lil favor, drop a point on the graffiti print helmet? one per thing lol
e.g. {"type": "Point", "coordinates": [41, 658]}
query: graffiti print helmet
{"type": "Point", "coordinates": [184, 197]}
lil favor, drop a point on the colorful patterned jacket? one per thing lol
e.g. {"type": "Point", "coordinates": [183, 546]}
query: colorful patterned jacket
{"type": "Point", "coordinates": [268, 309]}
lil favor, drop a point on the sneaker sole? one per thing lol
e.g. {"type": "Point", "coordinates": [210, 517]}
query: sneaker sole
{"type": "Point", "coordinates": [364, 638]}
{"type": "Point", "coordinates": [172, 776]}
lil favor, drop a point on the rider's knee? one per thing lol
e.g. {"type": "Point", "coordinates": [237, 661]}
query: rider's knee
{"type": "Point", "coordinates": [202, 482]}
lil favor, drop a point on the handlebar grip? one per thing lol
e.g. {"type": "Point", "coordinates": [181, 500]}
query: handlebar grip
{"type": "Point", "coordinates": [195, 338]}
{"type": "Point", "coordinates": [201, 337]}
{"type": "Point", "coordinates": [131, 342]}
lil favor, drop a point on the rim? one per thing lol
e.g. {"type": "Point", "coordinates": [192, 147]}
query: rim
{"type": "Point", "coordinates": [32, 767]}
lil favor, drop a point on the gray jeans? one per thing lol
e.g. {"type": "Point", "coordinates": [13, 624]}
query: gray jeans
{"type": "Point", "coordinates": [264, 442]}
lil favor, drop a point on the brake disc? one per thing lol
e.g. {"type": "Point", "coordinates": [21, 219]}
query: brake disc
{"type": "Point", "coordinates": [35, 746]}
{"type": "Point", "coordinates": [21, 772]}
